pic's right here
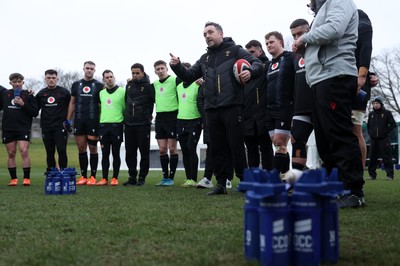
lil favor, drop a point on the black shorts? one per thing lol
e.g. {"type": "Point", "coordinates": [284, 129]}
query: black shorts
{"type": "Point", "coordinates": [10, 136]}
{"type": "Point", "coordinates": [192, 126]}
{"type": "Point", "coordinates": [166, 129]}
{"type": "Point", "coordinates": [279, 122]}
{"type": "Point", "coordinates": [89, 127]}
{"type": "Point", "coordinates": [111, 132]}
{"type": "Point", "coordinates": [55, 136]}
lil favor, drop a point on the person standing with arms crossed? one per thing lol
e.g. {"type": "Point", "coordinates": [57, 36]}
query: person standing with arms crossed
{"type": "Point", "coordinates": [85, 105]}
{"type": "Point", "coordinates": [302, 126]}
{"type": "Point", "coordinates": [166, 118]}
{"type": "Point", "coordinates": [54, 101]}
{"type": "Point", "coordinates": [112, 105]}
{"type": "Point", "coordinates": [19, 107]}
{"type": "Point", "coordinates": [223, 99]}
{"type": "Point", "coordinates": [140, 98]}
{"type": "Point", "coordinates": [332, 74]}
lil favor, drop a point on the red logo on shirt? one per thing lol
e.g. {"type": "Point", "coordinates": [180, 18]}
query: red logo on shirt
{"type": "Point", "coordinates": [109, 101]}
{"type": "Point", "coordinates": [184, 96]}
{"type": "Point", "coordinates": [86, 89]}
{"type": "Point", "coordinates": [51, 99]}
{"type": "Point", "coordinates": [275, 66]}
{"type": "Point", "coordinates": [301, 62]}
{"type": "Point", "coordinates": [161, 89]}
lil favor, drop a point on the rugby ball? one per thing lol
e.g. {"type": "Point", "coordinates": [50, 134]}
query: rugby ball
{"type": "Point", "coordinates": [239, 66]}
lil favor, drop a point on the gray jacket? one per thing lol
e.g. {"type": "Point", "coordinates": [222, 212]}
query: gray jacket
{"type": "Point", "coordinates": [331, 42]}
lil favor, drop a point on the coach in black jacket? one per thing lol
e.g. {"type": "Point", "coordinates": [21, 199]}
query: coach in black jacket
{"type": "Point", "coordinates": [223, 99]}
{"type": "Point", "coordinates": [380, 123]}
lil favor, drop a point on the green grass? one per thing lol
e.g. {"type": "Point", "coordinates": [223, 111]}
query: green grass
{"type": "Point", "coordinates": [163, 226]}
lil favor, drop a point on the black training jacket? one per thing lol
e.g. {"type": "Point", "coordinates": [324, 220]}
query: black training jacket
{"type": "Point", "coordinates": [139, 102]}
{"type": "Point", "coordinates": [380, 123]}
{"type": "Point", "coordinates": [216, 68]}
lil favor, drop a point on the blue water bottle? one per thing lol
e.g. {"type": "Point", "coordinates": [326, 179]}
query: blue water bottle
{"type": "Point", "coordinates": [56, 186]}
{"type": "Point", "coordinates": [251, 226]}
{"type": "Point", "coordinates": [65, 179]}
{"type": "Point", "coordinates": [306, 213]}
{"type": "Point", "coordinates": [70, 174]}
{"type": "Point", "coordinates": [274, 221]}
{"type": "Point", "coordinates": [330, 218]}
{"type": "Point", "coordinates": [48, 184]}
{"type": "Point", "coordinates": [17, 93]}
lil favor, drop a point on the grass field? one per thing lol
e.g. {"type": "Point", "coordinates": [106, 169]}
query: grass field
{"type": "Point", "coordinates": [163, 226]}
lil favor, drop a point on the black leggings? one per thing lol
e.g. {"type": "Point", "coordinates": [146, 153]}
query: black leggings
{"type": "Point", "coordinates": [188, 144]}
{"type": "Point", "coordinates": [114, 146]}
{"type": "Point", "coordinates": [56, 139]}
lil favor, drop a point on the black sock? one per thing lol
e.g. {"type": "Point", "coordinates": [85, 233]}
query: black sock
{"type": "Point", "coordinates": [83, 163]}
{"type": "Point", "coordinates": [105, 174]}
{"type": "Point", "coordinates": [173, 164]}
{"type": "Point", "coordinates": [27, 172]}
{"type": "Point", "coordinates": [164, 160]}
{"type": "Point", "coordinates": [13, 172]}
{"type": "Point", "coordinates": [94, 161]}
{"type": "Point", "coordinates": [281, 162]}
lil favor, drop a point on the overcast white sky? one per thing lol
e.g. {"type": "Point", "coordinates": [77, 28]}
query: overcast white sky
{"type": "Point", "coordinates": [42, 34]}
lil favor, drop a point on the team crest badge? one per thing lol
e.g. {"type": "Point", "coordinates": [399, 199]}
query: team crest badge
{"type": "Point", "coordinates": [86, 89]}
{"type": "Point", "coordinates": [109, 102]}
{"type": "Point", "coordinates": [275, 66]}
{"type": "Point", "coordinates": [301, 62]}
{"type": "Point", "coordinates": [51, 99]}
{"type": "Point", "coordinates": [162, 89]}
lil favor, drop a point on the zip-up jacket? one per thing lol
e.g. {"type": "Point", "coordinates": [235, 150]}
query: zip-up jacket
{"type": "Point", "coordinates": [331, 42]}
{"type": "Point", "coordinates": [220, 86]}
{"type": "Point", "coordinates": [380, 123]}
{"type": "Point", "coordinates": [139, 102]}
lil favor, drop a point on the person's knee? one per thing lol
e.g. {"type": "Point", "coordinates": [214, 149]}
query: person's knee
{"type": "Point", "coordinates": [11, 154]}
{"type": "Point", "coordinates": [172, 147]}
{"type": "Point", "coordinates": [163, 150]}
{"type": "Point", "coordinates": [24, 153]}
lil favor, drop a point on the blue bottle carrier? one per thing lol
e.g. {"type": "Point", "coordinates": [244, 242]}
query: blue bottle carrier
{"type": "Point", "coordinates": [298, 228]}
{"type": "Point", "coordinates": [60, 182]}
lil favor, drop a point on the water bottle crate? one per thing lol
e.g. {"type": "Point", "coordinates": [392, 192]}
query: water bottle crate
{"type": "Point", "coordinates": [60, 182]}
{"type": "Point", "coordinates": [297, 228]}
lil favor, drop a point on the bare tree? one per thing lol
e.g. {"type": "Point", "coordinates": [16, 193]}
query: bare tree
{"type": "Point", "coordinates": [65, 79]}
{"type": "Point", "coordinates": [387, 67]}
{"type": "Point", "coordinates": [34, 84]}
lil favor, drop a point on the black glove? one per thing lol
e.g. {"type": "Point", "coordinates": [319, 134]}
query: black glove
{"type": "Point", "coordinates": [68, 125]}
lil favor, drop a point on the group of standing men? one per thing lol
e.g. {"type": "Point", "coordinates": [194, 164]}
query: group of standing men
{"type": "Point", "coordinates": [104, 112]}
{"type": "Point", "coordinates": [313, 87]}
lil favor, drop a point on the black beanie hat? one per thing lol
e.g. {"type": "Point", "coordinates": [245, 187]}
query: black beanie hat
{"type": "Point", "coordinates": [378, 99]}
